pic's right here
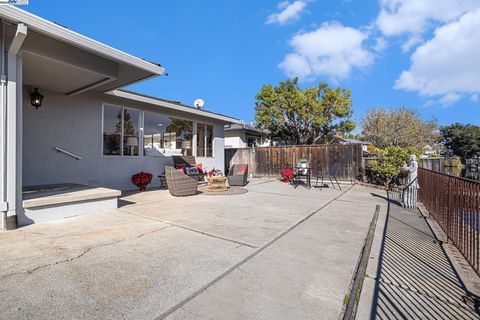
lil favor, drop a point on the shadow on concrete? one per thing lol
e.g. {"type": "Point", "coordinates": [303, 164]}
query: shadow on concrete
{"type": "Point", "coordinates": [415, 278]}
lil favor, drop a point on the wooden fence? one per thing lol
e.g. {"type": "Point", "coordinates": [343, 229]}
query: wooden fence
{"type": "Point", "coordinates": [434, 164]}
{"type": "Point", "coordinates": [268, 161]}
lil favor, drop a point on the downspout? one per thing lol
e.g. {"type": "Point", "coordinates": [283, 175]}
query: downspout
{"type": "Point", "coordinates": [3, 126]}
{"type": "Point", "coordinates": [11, 128]}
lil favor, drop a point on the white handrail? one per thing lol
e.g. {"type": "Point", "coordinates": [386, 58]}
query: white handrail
{"type": "Point", "coordinates": [68, 153]}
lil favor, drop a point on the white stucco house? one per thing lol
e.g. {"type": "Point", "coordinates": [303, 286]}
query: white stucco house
{"type": "Point", "coordinates": [88, 130]}
{"type": "Point", "coordinates": [364, 144]}
{"type": "Point", "coordinates": [245, 136]}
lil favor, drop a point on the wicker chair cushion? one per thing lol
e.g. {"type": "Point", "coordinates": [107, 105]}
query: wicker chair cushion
{"type": "Point", "coordinates": [239, 170]}
{"type": "Point", "coordinates": [191, 170]}
{"type": "Point", "coordinates": [181, 167]}
{"type": "Point", "coordinates": [199, 166]}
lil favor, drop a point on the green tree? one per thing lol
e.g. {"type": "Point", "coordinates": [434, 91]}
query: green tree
{"type": "Point", "coordinates": [401, 127]}
{"type": "Point", "coordinates": [310, 115]}
{"type": "Point", "coordinates": [388, 166]}
{"type": "Point", "coordinates": [463, 140]}
{"type": "Point", "coordinates": [129, 129]}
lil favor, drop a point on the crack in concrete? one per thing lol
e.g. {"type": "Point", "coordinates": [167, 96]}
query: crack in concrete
{"type": "Point", "coordinates": [182, 304]}
{"type": "Point", "coordinates": [191, 229]}
{"type": "Point", "coordinates": [28, 272]}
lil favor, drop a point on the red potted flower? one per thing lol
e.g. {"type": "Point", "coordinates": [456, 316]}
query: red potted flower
{"type": "Point", "coordinates": [142, 180]}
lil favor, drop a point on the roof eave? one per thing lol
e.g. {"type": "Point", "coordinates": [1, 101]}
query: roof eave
{"type": "Point", "coordinates": [60, 33]}
{"type": "Point", "coordinates": [173, 106]}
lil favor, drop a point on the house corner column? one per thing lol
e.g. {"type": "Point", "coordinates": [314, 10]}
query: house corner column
{"type": "Point", "coordinates": [13, 131]}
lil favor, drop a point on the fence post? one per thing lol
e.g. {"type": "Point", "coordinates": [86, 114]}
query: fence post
{"type": "Point", "coordinates": [294, 155]}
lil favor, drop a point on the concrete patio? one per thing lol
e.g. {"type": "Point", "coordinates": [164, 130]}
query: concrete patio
{"type": "Point", "coordinates": [272, 253]}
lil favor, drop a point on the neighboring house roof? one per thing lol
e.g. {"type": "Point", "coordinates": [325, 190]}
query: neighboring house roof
{"type": "Point", "coordinates": [247, 127]}
{"type": "Point", "coordinates": [353, 141]}
{"type": "Point", "coordinates": [173, 105]}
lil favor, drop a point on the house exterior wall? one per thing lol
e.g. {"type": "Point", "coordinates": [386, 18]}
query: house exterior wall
{"type": "Point", "coordinates": [75, 125]}
{"type": "Point", "coordinates": [235, 139]}
{"type": "Point", "coordinates": [239, 139]}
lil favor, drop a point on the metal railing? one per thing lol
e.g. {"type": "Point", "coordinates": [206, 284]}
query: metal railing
{"type": "Point", "coordinates": [407, 196]}
{"type": "Point", "coordinates": [410, 195]}
{"type": "Point", "coordinates": [68, 153]}
{"type": "Point", "coordinates": [455, 204]}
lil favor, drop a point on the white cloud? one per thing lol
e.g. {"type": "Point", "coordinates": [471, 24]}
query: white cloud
{"type": "Point", "coordinates": [414, 16]}
{"type": "Point", "coordinates": [448, 65]}
{"type": "Point", "coordinates": [411, 42]}
{"type": "Point", "coordinates": [290, 12]}
{"type": "Point", "coordinates": [449, 99]}
{"type": "Point", "coordinates": [380, 45]}
{"type": "Point", "coordinates": [474, 97]}
{"type": "Point", "coordinates": [331, 50]}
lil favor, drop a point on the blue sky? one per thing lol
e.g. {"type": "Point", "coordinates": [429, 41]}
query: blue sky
{"type": "Point", "coordinates": [417, 53]}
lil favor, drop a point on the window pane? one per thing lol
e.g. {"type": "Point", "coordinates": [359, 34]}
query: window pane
{"type": "Point", "coordinates": [200, 140]}
{"type": "Point", "coordinates": [209, 141]}
{"type": "Point", "coordinates": [253, 141]}
{"type": "Point", "coordinates": [131, 123]}
{"type": "Point", "coordinates": [165, 136]}
{"type": "Point", "coordinates": [179, 134]}
{"type": "Point", "coordinates": [112, 130]}
{"type": "Point", "coordinates": [153, 131]}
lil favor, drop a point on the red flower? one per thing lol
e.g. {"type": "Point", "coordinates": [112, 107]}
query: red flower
{"type": "Point", "coordinates": [142, 178]}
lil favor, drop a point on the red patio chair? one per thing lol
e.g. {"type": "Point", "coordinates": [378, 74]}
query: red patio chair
{"type": "Point", "coordinates": [287, 175]}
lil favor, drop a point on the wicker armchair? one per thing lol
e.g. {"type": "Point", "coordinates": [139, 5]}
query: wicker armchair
{"type": "Point", "coordinates": [179, 184]}
{"type": "Point", "coordinates": [237, 175]}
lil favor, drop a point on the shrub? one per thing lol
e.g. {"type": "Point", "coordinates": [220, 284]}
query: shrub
{"type": "Point", "coordinates": [454, 161]}
{"type": "Point", "coordinates": [387, 169]}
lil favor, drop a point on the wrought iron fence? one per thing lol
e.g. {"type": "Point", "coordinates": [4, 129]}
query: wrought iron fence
{"type": "Point", "coordinates": [455, 204]}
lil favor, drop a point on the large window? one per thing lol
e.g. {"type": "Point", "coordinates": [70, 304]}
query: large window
{"type": "Point", "coordinates": [162, 135]}
{"type": "Point", "coordinates": [131, 125]}
{"type": "Point", "coordinates": [112, 130]}
{"type": "Point", "coordinates": [120, 131]}
{"type": "Point", "coordinates": [200, 140]}
{"type": "Point", "coordinates": [166, 136]}
{"type": "Point", "coordinates": [204, 140]}
{"type": "Point", "coordinates": [209, 139]}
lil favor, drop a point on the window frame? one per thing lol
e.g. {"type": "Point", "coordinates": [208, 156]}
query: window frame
{"type": "Point", "coordinates": [141, 141]}
{"type": "Point", "coordinates": [205, 124]}
{"type": "Point", "coordinates": [194, 128]}
{"type": "Point", "coordinates": [140, 131]}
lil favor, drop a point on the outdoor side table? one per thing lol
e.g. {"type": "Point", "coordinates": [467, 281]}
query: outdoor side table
{"type": "Point", "coordinates": [217, 184]}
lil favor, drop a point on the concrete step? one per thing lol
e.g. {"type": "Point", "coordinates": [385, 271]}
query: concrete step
{"type": "Point", "coordinates": [53, 202]}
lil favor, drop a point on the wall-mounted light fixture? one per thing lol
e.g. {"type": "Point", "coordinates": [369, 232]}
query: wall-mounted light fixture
{"type": "Point", "coordinates": [36, 98]}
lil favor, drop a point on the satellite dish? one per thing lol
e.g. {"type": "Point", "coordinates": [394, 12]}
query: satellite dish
{"type": "Point", "coordinates": [199, 103]}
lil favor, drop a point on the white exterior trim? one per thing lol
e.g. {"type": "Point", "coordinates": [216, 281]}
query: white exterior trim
{"type": "Point", "coordinates": [40, 25]}
{"type": "Point", "coordinates": [172, 106]}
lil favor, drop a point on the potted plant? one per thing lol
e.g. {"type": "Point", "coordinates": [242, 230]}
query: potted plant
{"type": "Point", "coordinates": [142, 180]}
{"type": "Point", "coordinates": [303, 165]}
{"type": "Point", "coordinates": [215, 173]}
